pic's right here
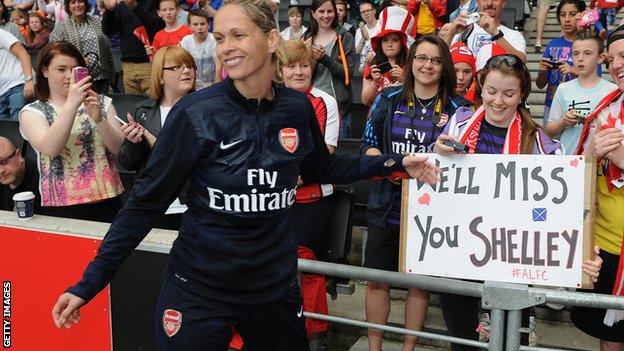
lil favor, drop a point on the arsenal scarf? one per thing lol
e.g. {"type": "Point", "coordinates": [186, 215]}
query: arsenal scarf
{"type": "Point", "coordinates": [470, 135]}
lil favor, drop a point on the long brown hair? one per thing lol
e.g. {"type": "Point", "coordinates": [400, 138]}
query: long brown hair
{"type": "Point", "coordinates": [518, 70]}
{"type": "Point", "coordinates": [448, 80]}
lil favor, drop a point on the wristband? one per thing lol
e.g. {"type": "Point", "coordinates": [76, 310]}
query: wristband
{"type": "Point", "coordinates": [497, 36]}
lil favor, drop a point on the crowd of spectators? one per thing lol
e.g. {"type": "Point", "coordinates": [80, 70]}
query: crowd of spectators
{"type": "Point", "coordinates": [425, 65]}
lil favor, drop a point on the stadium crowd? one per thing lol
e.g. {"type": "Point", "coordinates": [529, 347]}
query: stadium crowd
{"type": "Point", "coordinates": [448, 70]}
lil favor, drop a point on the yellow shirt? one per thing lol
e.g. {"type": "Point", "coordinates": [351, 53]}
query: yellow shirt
{"type": "Point", "coordinates": [426, 21]}
{"type": "Point", "coordinates": [609, 214]}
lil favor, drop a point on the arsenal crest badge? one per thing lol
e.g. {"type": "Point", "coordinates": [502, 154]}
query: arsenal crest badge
{"type": "Point", "coordinates": [443, 119]}
{"type": "Point", "coordinates": [289, 138]}
{"type": "Point", "coordinates": [172, 321]}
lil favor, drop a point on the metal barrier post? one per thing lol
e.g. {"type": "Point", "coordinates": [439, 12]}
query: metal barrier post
{"type": "Point", "coordinates": [514, 322]}
{"type": "Point", "coordinates": [497, 332]}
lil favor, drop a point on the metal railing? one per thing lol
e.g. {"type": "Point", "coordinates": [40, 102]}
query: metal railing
{"type": "Point", "coordinates": [500, 298]}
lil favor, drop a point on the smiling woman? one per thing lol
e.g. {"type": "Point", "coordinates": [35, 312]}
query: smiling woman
{"type": "Point", "coordinates": [240, 145]}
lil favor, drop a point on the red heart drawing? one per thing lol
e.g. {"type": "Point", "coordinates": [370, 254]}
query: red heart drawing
{"type": "Point", "coordinates": [424, 199]}
{"type": "Point", "coordinates": [574, 163]}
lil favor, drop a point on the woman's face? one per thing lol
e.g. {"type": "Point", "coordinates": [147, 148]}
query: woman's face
{"type": "Point", "coordinates": [391, 45]}
{"type": "Point", "coordinates": [501, 95]}
{"type": "Point", "coordinates": [34, 23]}
{"type": "Point", "coordinates": [58, 73]}
{"type": "Point", "coordinates": [243, 49]}
{"type": "Point", "coordinates": [427, 65]}
{"type": "Point", "coordinates": [77, 8]}
{"type": "Point", "coordinates": [298, 75]}
{"type": "Point", "coordinates": [324, 15]}
{"type": "Point", "coordinates": [178, 77]}
{"type": "Point", "coordinates": [294, 20]}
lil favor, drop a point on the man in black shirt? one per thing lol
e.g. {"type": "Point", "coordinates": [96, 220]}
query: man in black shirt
{"type": "Point", "coordinates": [16, 175]}
{"type": "Point", "coordinates": [124, 17]}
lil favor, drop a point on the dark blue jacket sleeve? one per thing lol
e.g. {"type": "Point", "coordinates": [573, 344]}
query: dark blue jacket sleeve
{"type": "Point", "coordinates": [374, 130]}
{"type": "Point", "coordinates": [321, 167]}
{"type": "Point", "coordinates": [175, 154]}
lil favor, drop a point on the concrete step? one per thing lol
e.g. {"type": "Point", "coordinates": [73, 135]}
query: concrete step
{"type": "Point", "coordinates": [389, 345]}
{"type": "Point", "coordinates": [559, 334]}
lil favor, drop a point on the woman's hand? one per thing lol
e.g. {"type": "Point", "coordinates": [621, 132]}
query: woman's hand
{"type": "Point", "coordinates": [608, 140]}
{"type": "Point", "coordinates": [417, 167]}
{"type": "Point", "coordinates": [92, 104]}
{"type": "Point", "coordinates": [376, 75]}
{"type": "Point", "coordinates": [149, 138]}
{"type": "Point", "coordinates": [132, 131]}
{"type": "Point", "coordinates": [77, 91]}
{"type": "Point", "coordinates": [440, 148]}
{"type": "Point", "coordinates": [319, 52]}
{"type": "Point", "coordinates": [592, 267]}
{"type": "Point", "coordinates": [66, 311]}
{"type": "Point", "coordinates": [397, 73]}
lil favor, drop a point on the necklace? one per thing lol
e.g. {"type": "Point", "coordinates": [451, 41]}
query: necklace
{"type": "Point", "coordinates": [424, 107]}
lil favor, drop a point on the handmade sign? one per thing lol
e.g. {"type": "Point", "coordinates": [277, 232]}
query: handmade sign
{"type": "Point", "coordinates": [512, 218]}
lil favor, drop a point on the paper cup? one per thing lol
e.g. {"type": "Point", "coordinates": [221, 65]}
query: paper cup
{"type": "Point", "coordinates": [24, 203]}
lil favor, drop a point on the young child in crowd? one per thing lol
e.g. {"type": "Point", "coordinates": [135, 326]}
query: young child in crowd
{"type": "Point", "coordinates": [18, 17]}
{"type": "Point", "coordinates": [295, 29]}
{"type": "Point", "coordinates": [556, 66]}
{"type": "Point", "coordinates": [38, 32]}
{"type": "Point", "coordinates": [202, 46]}
{"type": "Point", "coordinates": [173, 32]}
{"type": "Point", "coordinates": [575, 99]}
{"type": "Point", "coordinates": [465, 67]}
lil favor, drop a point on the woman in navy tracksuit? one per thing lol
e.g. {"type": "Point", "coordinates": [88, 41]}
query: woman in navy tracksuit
{"type": "Point", "coordinates": [241, 146]}
{"type": "Point", "coordinates": [404, 119]}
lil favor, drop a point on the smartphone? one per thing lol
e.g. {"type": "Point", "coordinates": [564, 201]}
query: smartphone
{"type": "Point", "coordinates": [555, 64]}
{"type": "Point", "coordinates": [473, 18]}
{"type": "Point", "coordinates": [80, 73]}
{"type": "Point", "coordinates": [123, 123]}
{"type": "Point", "coordinates": [384, 67]}
{"type": "Point", "coordinates": [457, 146]}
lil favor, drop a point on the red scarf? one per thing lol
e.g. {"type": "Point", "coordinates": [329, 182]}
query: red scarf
{"type": "Point", "coordinates": [470, 135]}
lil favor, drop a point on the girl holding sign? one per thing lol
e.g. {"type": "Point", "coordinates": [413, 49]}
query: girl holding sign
{"type": "Point", "coordinates": [502, 125]}
{"type": "Point", "coordinates": [404, 119]}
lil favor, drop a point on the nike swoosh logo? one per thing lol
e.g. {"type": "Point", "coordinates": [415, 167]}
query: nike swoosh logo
{"type": "Point", "coordinates": [300, 313]}
{"type": "Point", "coordinates": [224, 146]}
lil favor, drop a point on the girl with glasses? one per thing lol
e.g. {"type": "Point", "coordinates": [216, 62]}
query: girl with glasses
{"type": "Point", "coordinates": [173, 77]}
{"type": "Point", "coordinates": [240, 145]}
{"type": "Point", "coordinates": [404, 119]}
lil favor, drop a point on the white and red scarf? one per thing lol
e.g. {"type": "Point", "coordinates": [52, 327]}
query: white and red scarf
{"type": "Point", "coordinates": [613, 174]}
{"type": "Point", "coordinates": [470, 135]}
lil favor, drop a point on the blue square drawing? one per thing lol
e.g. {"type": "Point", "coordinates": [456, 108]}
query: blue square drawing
{"type": "Point", "coordinates": [539, 215]}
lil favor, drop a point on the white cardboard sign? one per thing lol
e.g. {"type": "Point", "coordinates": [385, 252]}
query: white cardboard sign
{"type": "Point", "coordinates": [511, 218]}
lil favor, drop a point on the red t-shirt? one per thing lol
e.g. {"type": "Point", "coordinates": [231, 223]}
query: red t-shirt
{"type": "Point", "coordinates": [164, 38]}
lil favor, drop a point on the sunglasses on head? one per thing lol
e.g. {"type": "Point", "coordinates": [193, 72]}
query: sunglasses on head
{"type": "Point", "coordinates": [510, 60]}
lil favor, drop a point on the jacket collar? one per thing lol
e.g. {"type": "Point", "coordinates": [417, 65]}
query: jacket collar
{"type": "Point", "coordinates": [251, 105]}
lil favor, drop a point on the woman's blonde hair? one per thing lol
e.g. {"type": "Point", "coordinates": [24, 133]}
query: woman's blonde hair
{"type": "Point", "coordinates": [293, 51]}
{"type": "Point", "coordinates": [177, 55]}
{"type": "Point", "coordinates": [260, 13]}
